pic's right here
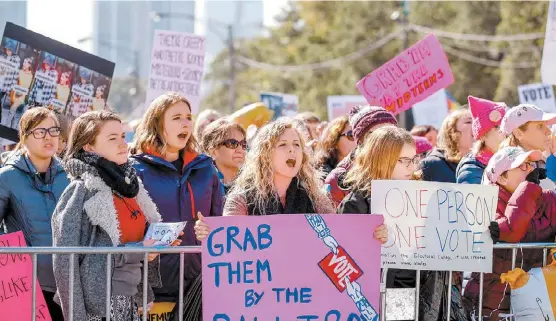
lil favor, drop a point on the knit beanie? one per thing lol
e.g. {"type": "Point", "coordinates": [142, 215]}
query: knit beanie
{"type": "Point", "coordinates": [422, 144]}
{"type": "Point", "coordinates": [363, 117]}
{"type": "Point", "coordinates": [486, 115]}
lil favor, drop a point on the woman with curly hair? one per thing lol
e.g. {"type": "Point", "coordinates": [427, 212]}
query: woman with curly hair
{"type": "Point", "coordinates": [454, 141]}
{"type": "Point", "coordinates": [277, 178]}
{"type": "Point", "coordinates": [336, 143]}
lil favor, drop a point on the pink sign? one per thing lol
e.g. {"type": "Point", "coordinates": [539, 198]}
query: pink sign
{"type": "Point", "coordinates": [291, 267]}
{"type": "Point", "coordinates": [16, 287]}
{"type": "Point", "coordinates": [409, 78]}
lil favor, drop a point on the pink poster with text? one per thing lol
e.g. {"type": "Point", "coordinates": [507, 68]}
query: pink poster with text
{"type": "Point", "coordinates": [291, 267]}
{"type": "Point", "coordinates": [408, 78]}
{"type": "Point", "coordinates": [16, 283]}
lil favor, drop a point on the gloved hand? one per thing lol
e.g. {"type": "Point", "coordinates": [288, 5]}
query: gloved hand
{"type": "Point", "coordinates": [536, 176]}
{"type": "Point", "coordinates": [494, 231]}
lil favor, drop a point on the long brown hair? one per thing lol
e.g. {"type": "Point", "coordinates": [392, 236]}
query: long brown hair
{"type": "Point", "coordinates": [150, 132]}
{"type": "Point", "coordinates": [448, 136]}
{"type": "Point", "coordinates": [327, 148]}
{"type": "Point", "coordinates": [511, 140]}
{"type": "Point", "coordinates": [86, 128]}
{"type": "Point", "coordinates": [377, 157]}
{"type": "Point", "coordinates": [31, 119]}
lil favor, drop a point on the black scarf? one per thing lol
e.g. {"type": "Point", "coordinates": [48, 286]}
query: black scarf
{"type": "Point", "coordinates": [121, 178]}
{"type": "Point", "coordinates": [297, 202]}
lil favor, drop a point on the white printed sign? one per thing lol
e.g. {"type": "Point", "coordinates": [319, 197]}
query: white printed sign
{"type": "Point", "coordinates": [177, 64]}
{"type": "Point", "coordinates": [433, 110]}
{"type": "Point", "coordinates": [164, 233]}
{"type": "Point", "coordinates": [341, 105]}
{"type": "Point", "coordinates": [548, 64]}
{"type": "Point", "coordinates": [540, 95]}
{"type": "Point", "coordinates": [282, 104]}
{"type": "Point", "coordinates": [436, 226]}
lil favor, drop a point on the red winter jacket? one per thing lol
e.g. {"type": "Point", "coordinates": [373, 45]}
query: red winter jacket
{"type": "Point", "coordinates": [526, 216]}
{"type": "Point", "coordinates": [334, 181]}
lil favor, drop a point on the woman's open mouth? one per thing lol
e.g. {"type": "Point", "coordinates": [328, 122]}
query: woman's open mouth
{"type": "Point", "coordinates": [182, 136]}
{"type": "Point", "coordinates": [291, 162]}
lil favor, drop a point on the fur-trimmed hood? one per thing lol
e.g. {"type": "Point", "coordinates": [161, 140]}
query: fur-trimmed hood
{"type": "Point", "coordinates": [100, 206]}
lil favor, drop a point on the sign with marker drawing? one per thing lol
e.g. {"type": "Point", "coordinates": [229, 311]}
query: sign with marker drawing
{"type": "Point", "coordinates": [540, 95]}
{"type": "Point", "coordinates": [436, 226]}
{"type": "Point", "coordinates": [164, 233]}
{"type": "Point", "coordinates": [291, 267]}
{"type": "Point", "coordinates": [408, 78]}
{"type": "Point", "coordinates": [16, 283]}
{"type": "Point", "coordinates": [177, 64]}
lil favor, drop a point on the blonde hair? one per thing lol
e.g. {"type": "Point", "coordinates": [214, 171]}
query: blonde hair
{"type": "Point", "coordinates": [448, 136]}
{"type": "Point", "coordinates": [327, 148]}
{"type": "Point", "coordinates": [150, 131]}
{"type": "Point", "coordinates": [30, 119]}
{"type": "Point", "coordinates": [257, 174]}
{"type": "Point", "coordinates": [377, 157]}
{"type": "Point", "coordinates": [511, 140]}
{"type": "Point", "coordinates": [205, 117]}
{"type": "Point", "coordinates": [217, 132]}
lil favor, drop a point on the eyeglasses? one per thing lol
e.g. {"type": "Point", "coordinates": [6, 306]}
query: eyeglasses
{"type": "Point", "coordinates": [525, 166]}
{"type": "Point", "coordinates": [348, 134]}
{"type": "Point", "coordinates": [233, 144]}
{"type": "Point", "coordinates": [407, 162]}
{"type": "Point", "coordinates": [40, 133]}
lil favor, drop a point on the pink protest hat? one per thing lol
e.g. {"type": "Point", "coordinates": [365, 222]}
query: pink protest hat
{"type": "Point", "coordinates": [486, 115]}
{"type": "Point", "coordinates": [422, 144]}
{"type": "Point", "coordinates": [505, 159]}
{"type": "Point", "coordinates": [522, 114]}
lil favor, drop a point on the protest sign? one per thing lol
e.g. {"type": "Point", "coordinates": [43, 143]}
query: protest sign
{"type": "Point", "coordinates": [408, 78]}
{"type": "Point", "coordinates": [540, 95]}
{"type": "Point", "coordinates": [177, 64]}
{"type": "Point", "coordinates": [341, 105]}
{"type": "Point", "coordinates": [436, 226]}
{"type": "Point", "coordinates": [548, 64]}
{"type": "Point", "coordinates": [39, 71]}
{"type": "Point", "coordinates": [281, 104]}
{"type": "Point", "coordinates": [16, 284]}
{"type": "Point", "coordinates": [431, 111]}
{"type": "Point", "coordinates": [164, 233]}
{"type": "Point", "coordinates": [291, 267]}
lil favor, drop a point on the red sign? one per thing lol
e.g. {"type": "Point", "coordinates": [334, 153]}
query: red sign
{"type": "Point", "coordinates": [339, 266]}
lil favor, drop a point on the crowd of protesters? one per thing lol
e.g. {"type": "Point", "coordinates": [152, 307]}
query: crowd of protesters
{"type": "Point", "coordinates": [89, 187]}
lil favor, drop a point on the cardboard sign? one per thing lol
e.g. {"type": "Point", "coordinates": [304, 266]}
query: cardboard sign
{"type": "Point", "coordinates": [433, 110]}
{"type": "Point", "coordinates": [341, 105]}
{"type": "Point", "coordinates": [548, 64]}
{"type": "Point", "coordinates": [540, 95]}
{"type": "Point", "coordinates": [291, 267]}
{"type": "Point", "coordinates": [16, 287]}
{"type": "Point", "coordinates": [436, 226]}
{"type": "Point", "coordinates": [281, 104]}
{"type": "Point", "coordinates": [38, 71]}
{"type": "Point", "coordinates": [409, 78]}
{"type": "Point", "coordinates": [177, 64]}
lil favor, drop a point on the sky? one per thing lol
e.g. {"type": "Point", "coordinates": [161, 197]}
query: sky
{"type": "Point", "coordinates": [57, 19]}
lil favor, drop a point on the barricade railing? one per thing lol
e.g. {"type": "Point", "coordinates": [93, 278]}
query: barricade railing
{"type": "Point", "coordinates": [182, 250]}
{"type": "Point", "coordinates": [515, 247]}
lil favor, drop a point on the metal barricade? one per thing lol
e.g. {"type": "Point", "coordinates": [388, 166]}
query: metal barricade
{"type": "Point", "coordinates": [72, 251]}
{"type": "Point", "coordinates": [182, 250]}
{"type": "Point", "coordinates": [500, 246]}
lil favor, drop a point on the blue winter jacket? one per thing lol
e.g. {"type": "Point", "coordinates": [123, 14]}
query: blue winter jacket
{"type": "Point", "coordinates": [172, 193]}
{"type": "Point", "coordinates": [27, 204]}
{"type": "Point", "coordinates": [470, 170]}
{"type": "Point", "coordinates": [551, 167]}
{"type": "Point", "coordinates": [436, 168]}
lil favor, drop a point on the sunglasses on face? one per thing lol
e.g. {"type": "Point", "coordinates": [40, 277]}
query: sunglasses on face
{"type": "Point", "coordinates": [40, 133]}
{"type": "Point", "coordinates": [407, 162]}
{"type": "Point", "coordinates": [233, 144]}
{"type": "Point", "coordinates": [525, 166]}
{"type": "Point", "coordinates": [348, 135]}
